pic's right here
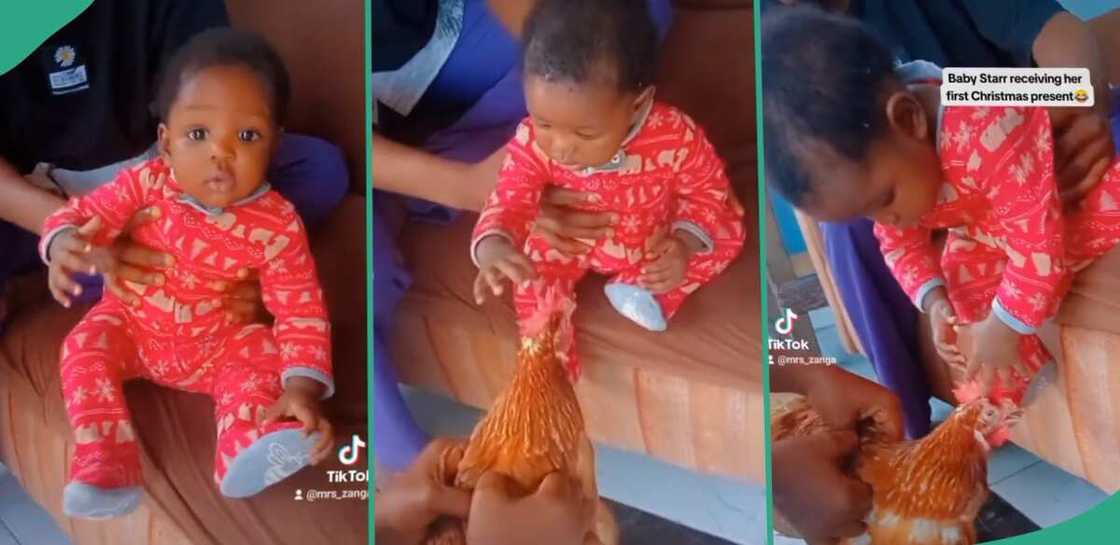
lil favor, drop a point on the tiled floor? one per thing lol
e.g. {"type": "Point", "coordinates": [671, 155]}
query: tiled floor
{"type": "Point", "coordinates": [731, 511]}
{"type": "Point", "coordinates": [1042, 492]}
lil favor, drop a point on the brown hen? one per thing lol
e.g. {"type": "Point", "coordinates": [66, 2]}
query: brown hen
{"type": "Point", "coordinates": [534, 428]}
{"type": "Point", "coordinates": [924, 492]}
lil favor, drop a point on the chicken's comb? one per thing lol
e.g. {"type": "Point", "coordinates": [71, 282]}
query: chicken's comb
{"type": "Point", "coordinates": [968, 391]}
{"type": "Point", "coordinates": [550, 304]}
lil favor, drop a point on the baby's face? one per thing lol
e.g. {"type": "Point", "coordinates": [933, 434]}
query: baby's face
{"type": "Point", "coordinates": [579, 125]}
{"type": "Point", "coordinates": [896, 185]}
{"type": "Point", "coordinates": [220, 134]}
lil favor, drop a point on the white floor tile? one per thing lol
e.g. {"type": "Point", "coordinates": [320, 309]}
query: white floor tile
{"type": "Point", "coordinates": [1047, 495]}
{"type": "Point", "coordinates": [1009, 460]}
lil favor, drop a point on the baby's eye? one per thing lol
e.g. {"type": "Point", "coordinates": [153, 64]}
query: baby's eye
{"type": "Point", "coordinates": [587, 136]}
{"type": "Point", "coordinates": [197, 134]}
{"type": "Point", "coordinates": [249, 135]}
{"type": "Point", "coordinates": [888, 199]}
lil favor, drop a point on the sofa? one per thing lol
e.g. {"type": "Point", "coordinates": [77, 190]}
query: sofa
{"type": "Point", "coordinates": [692, 395]}
{"type": "Point", "coordinates": [1072, 409]}
{"type": "Point", "coordinates": [322, 43]}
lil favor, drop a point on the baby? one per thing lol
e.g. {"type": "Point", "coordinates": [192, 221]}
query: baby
{"type": "Point", "coordinates": [848, 134]}
{"type": "Point", "coordinates": [595, 127]}
{"type": "Point", "coordinates": [221, 101]}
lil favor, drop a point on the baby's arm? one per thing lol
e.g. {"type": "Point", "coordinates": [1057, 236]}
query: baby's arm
{"type": "Point", "coordinates": [113, 203]}
{"type": "Point", "coordinates": [513, 205]}
{"type": "Point", "coordinates": [705, 206]}
{"type": "Point", "coordinates": [1017, 155]}
{"type": "Point", "coordinates": [912, 259]}
{"type": "Point", "coordinates": [292, 294]}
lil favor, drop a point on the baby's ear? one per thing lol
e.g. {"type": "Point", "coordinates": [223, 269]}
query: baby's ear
{"type": "Point", "coordinates": [906, 115]}
{"type": "Point", "coordinates": [645, 96]}
{"type": "Point", "coordinates": [163, 140]}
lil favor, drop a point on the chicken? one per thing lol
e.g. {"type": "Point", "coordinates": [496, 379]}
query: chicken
{"type": "Point", "coordinates": [924, 492]}
{"type": "Point", "coordinates": [534, 428]}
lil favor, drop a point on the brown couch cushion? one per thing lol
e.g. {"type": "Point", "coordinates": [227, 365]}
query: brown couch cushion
{"type": "Point", "coordinates": [176, 429]}
{"type": "Point", "coordinates": [322, 43]}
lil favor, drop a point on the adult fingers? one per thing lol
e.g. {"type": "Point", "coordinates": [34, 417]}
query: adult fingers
{"type": "Point", "coordinates": [138, 255]}
{"type": "Point", "coordinates": [122, 293]}
{"type": "Point", "coordinates": [566, 246]}
{"type": "Point", "coordinates": [142, 216]}
{"type": "Point", "coordinates": [1076, 169]}
{"type": "Point", "coordinates": [130, 273]}
{"type": "Point", "coordinates": [560, 196]}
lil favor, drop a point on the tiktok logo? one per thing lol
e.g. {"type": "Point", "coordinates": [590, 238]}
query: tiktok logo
{"type": "Point", "coordinates": [784, 325]}
{"type": "Point", "coordinates": [348, 454]}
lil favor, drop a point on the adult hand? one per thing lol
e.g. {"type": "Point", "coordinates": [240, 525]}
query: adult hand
{"type": "Point", "coordinates": [814, 490]}
{"type": "Point", "coordinates": [129, 261]}
{"type": "Point", "coordinates": [845, 400]}
{"type": "Point", "coordinates": [1083, 151]}
{"type": "Point", "coordinates": [410, 502]}
{"type": "Point", "coordinates": [569, 228]}
{"type": "Point", "coordinates": [557, 513]}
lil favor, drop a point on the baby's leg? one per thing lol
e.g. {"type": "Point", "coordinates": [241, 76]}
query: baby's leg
{"type": "Point", "coordinates": [552, 291]}
{"type": "Point", "coordinates": [1094, 228]}
{"type": "Point", "coordinates": [97, 357]}
{"type": "Point", "coordinates": [973, 273]}
{"type": "Point", "coordinates": [653, 311]}
{"type": "Point", "coordinates": [251, 456]}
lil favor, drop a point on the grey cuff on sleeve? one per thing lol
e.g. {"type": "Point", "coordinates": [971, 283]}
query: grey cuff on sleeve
{"type": "Point", "coordinates": [311, 373]}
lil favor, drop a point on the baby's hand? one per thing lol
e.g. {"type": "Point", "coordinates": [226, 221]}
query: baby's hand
{"type": "Point", "coordinates": [302, 403]}
{"type": "Point", "coordinates": [72, 252]}
{"type": "Point", "coordinates": [498, 261]}
{"type": "Point", "coordinates": [670, 257]}
{"type": "Point", "coordinates": [990, 348]}
{"type": "Point", "coordinates": [942, 319]}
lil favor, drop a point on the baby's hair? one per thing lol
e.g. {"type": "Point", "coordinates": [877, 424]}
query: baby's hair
{"type": "Point", "coordinates": [225, 47]}
{"type": "Point", "coordinates": [573, 40]}
{"type": "Point", "coordinates": [824, 79]}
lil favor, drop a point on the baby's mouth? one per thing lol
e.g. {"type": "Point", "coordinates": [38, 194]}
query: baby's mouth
{"type": "Point", "coordinates": [219, 183]}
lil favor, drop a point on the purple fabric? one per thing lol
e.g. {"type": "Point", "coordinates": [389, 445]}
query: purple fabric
{"type": "Point", "coordinates": [884, 318]}
{"type": "Point", "coordinates": [397, 438]}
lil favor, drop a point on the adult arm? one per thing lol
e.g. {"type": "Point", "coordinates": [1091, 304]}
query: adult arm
{"type": "Point", "coordinates": [22, 203]}
{"type": "Point", "coordinates": [398, 168]}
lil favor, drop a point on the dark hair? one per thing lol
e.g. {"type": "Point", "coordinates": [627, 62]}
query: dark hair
{"type": "Point", "coordinates": [824, 79]}
{"type": "Point", "coordinates": [568, 39]}
{"type": "Point", "coordinates": [224, 47]}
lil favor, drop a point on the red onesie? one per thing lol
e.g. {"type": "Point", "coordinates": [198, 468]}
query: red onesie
{"type": "Point", "coordinates": [1010, 250]}
{"type": "Point", "coordinates": [178, 336]}
{"type": "Point", "coordinates": [666, 176]}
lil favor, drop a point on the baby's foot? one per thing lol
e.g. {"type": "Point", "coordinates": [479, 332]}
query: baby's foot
{"type": "Point", "coordinates": [269, 460]}
{"type": "Point", "coordinates": [637, 304]}
{"type": "Point", "coordinates": [81, 500]}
